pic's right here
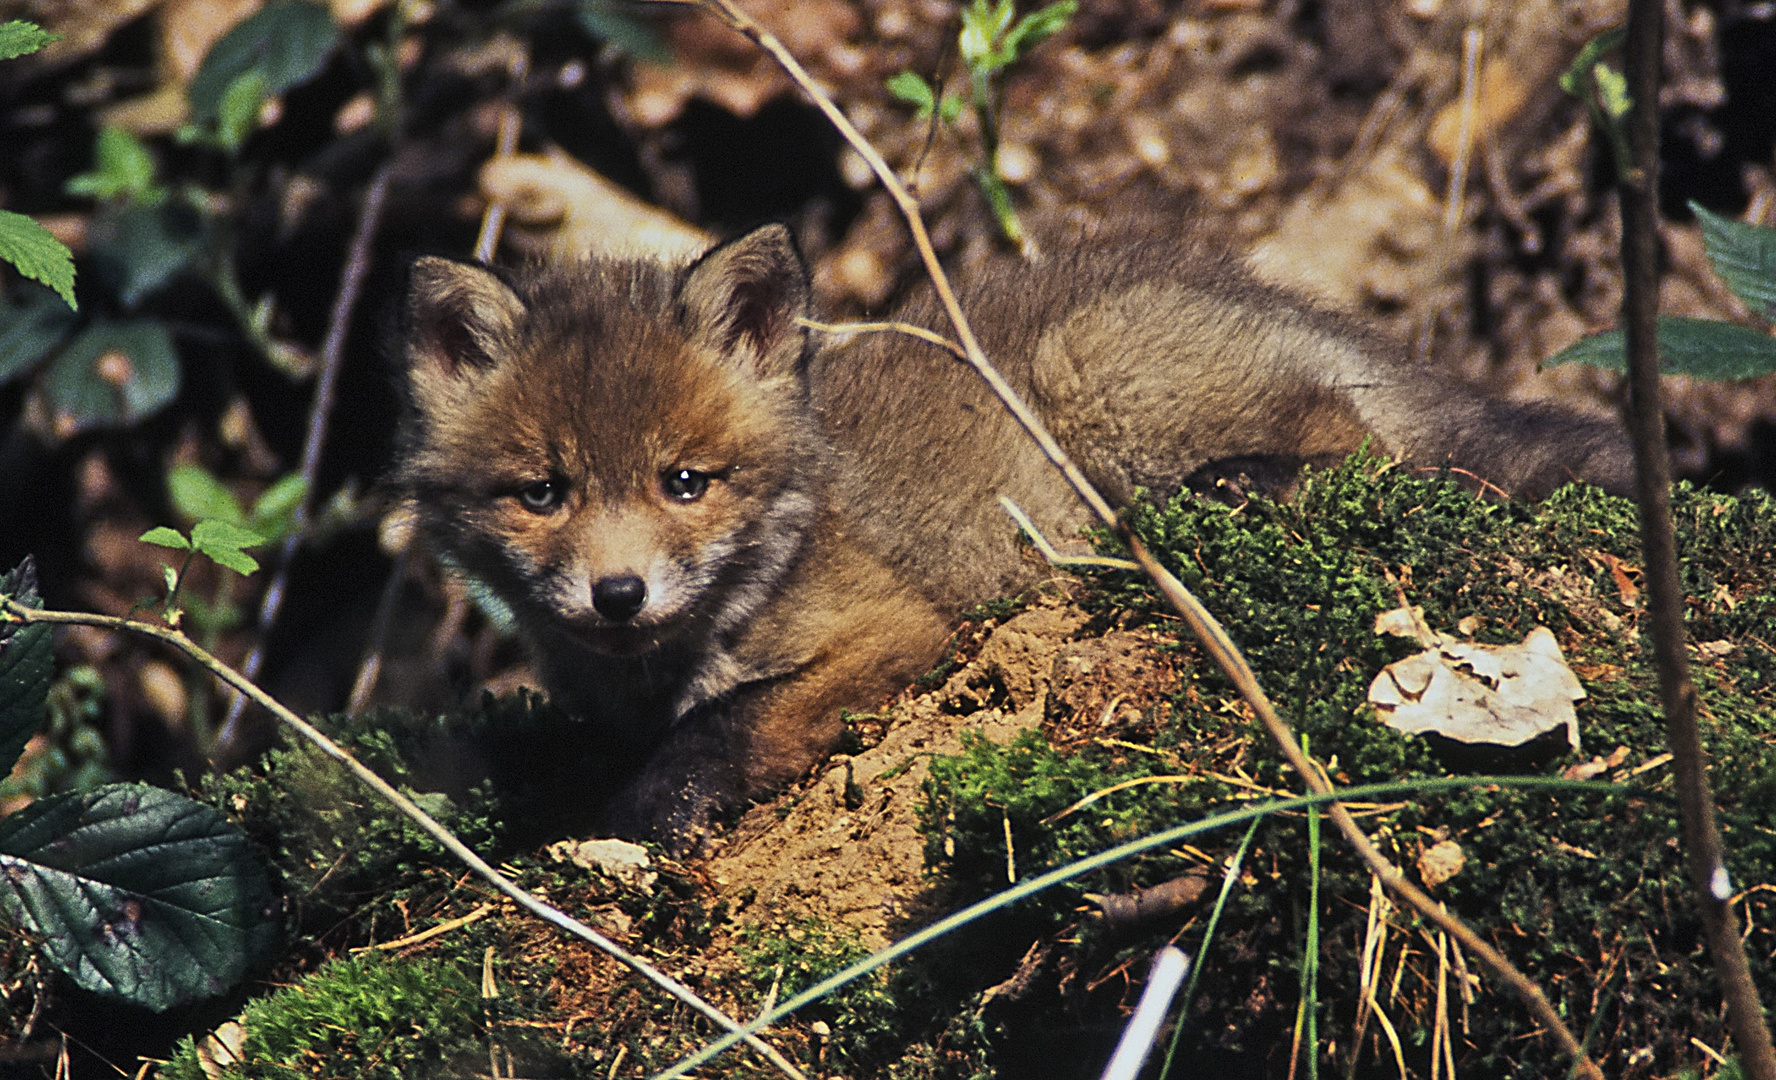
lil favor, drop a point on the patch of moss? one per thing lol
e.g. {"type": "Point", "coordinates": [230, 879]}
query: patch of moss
{"type": "Point", "coordinates": [364, 1018]}
{"type": "Point", "coordinates": [1585, 891]}
{"type": "Point", "coordinates": [787, 957]}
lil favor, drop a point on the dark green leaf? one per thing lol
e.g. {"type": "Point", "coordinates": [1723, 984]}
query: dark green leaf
{"type": "Point", "coordinates": [27, 663]}
{"type": "Point", "coordinates": [112, 373]}
{"type": "Point", "coordinates": [607, 21]}
{"type": "Point", "coordinates": [198, 495]}
{"type": "Point", "coordinates": [911, 87]}
{"type": "Point", "coordinates": [137, 893]}
{"type": "Point", "coordinates": [30, 330]}
{"type": "Point", "coordinates": [1700, 348]}
{"type": "Point", "coordinates": [286, 42]}
{"type": "Point", "coordinates": [1745, 258]}
{"type": "Point", "coordinates": [275, 511]}
{"type": "Point", "coordinates": [140, 247]}
{"type": "Point", "coordinates": [165, 537]}
{"type": "Point", "coordinates": [37, 254]}
{"type": "Point", "coordinates": [19, 38]}
{"type": "Point", "coordinates": [122, 166]}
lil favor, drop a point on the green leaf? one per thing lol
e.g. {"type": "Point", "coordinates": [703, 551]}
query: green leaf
{"type": "Point", "coordinates": [1033, 28]}
{"type": "Point", "coordinates": [1574, 80]}
{"type": "Point", "coordinates": [286, 42]}
{"type": "Point", "coordinates": [140, 247]}
{"type": "Point", "coordinates": [223, 542]}
{"type": "Point", "coordinates": [30, 330]}
{"type": "Point", "coordinates": [238, 115]}
{"type": "Point", "coordinates": [113, 373]}
{"type": "Point", "coordinates": [1612, 88]}
{"type": "Point", "coordinates": [950, 108]}
{"type": "Point", "coordinates": [1745, 258]}
{"type": "Point", "coordinates": [1700, 348]}
{"type": "Point", "coordinates": [122, 166]}
{"type": "Point", "coordinates": [165, 537]}
{"type": "Point", "coordinates": [137, 893]}
{"type": "Point", "coordinates": [911, 87]}
{"type": "Point", "coordinates": [198, 495]}
{"type": "Point", "coordinates": [21, 38]}
{"type": "Point", "coordinates": [37, 254]}
{"type": "Point", "coordinates": [27, 663]}
{"type": "Point", "coordinates": [274, 513]}
{"type": "Point", "coordinates": [607, 21]}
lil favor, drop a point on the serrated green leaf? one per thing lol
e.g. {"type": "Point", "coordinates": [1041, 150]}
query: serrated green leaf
{"type": "Point", "coordinates": [37, 254]}
{"type": "Point", "coordinates": [274, 512]}
{"type": "Point", "coordinates": [911, 87]}
{"type": "Point", "coordinates": [607, 21]}
{"type": "Point", "coordinates": [1744, 256]}
{"type": "Point", "coordinates": [140, 247]}
{"type": "Point", "coordinates": [30, 330]}
{"type": "Point", "coordinates": [21, 38]}
{"type": "Point", "coordinates": [137, 893]}
{"type": "Point", "coordinates": [122, 166]}
{"type": "Point", "coordinates": [27, 664]}
{"type": "Point", "coordinates": [1699, 348]}
{"type": "Point", "coordinates": [166, 538]}
{"type": "Point", "coordinates": [112, 373]}
{"type": "Point", "coordinates": [286, 42]}
{"type": "Point", "coordinates": [198, 496]}
{"type": "Point", "coordinates": [223, 542]}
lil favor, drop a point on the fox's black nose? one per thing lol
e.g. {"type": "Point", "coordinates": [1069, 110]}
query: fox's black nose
{"type": "Point", "coordinates": [619, 598]}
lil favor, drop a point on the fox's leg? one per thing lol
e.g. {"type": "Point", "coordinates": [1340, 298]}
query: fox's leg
{"type": "Point", "coordinates": [767, 734]}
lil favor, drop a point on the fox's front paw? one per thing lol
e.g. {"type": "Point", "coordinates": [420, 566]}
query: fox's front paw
{"type": "Point", "coordinates": [676, 811]}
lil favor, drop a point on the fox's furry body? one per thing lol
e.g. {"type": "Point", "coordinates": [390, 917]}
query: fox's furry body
{"type": "Point", "coordinates": [714, 536]}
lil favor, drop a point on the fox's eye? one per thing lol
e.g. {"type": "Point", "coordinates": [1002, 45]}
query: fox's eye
{"type": "Point", "coordinates": [542, 496]}
{"type": "Point", "coordinates": [685, 485]}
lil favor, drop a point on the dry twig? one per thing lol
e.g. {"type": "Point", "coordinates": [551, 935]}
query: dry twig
{"type": "Point", "coordinates": [1639, 193]}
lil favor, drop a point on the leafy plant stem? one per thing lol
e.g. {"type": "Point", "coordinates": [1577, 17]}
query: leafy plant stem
{"type": "Point", "coordinates": [1639, 194]}
{"type": "Point", "coordinates": [1207, 629]}
{"type": "Point", "coordinates": [11, 609]}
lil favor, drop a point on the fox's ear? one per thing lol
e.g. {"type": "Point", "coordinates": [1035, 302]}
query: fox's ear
{"type": "Point", "coordinates": [460, 319]}
{"type": "Point", "coordinates": [744, 296]}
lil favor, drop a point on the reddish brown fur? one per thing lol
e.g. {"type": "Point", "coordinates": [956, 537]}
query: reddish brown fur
{"type": "Point", "coordinates": [846, 507]}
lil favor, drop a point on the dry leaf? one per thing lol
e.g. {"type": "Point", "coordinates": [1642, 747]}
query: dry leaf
{"type": "Point", "coordinates": [626, 862]}
{"type": "Point", "coordinates": [580, 213]}
{"type": "Point", "coordinates": [1440, 862]}
{"type": "Point", "coordinates": [1503, 695]}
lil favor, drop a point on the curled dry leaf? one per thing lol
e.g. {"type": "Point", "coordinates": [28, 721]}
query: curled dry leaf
{"type": "Point", "coordinates": [627, 863]}
{"type": "Point", "coordinates": [576, 212]}
{"type": "Point", "coordinates": [1502, 695]}
{"type": "Point", "coordinates": [1440, 862]}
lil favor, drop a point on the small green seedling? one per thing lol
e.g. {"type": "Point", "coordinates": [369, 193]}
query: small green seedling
{"type": "Point", "coordinates": [989, 43]}
{"type": "Point", "coordinates": [222, 530]}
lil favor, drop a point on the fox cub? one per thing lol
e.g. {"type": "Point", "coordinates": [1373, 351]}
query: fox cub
{"type": "Point", "coordinates": [714, 534]}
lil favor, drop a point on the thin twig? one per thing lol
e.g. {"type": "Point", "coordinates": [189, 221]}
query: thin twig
{"type": "Point", "coordinates": [1638, 188]}
{"type": "Point", "coordinates": [12, 609]}
{"type": "Point", "coordinates": [1213, 637]}
{"type": "Point", "coordinates": [320, 412]}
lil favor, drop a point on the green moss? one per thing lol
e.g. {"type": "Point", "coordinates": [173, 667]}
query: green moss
{"type": "Point", "coordinates": [365, 1018]}
{"type": "Point", "coordinates": [790, 956]}
{"type": "Point", "coordinates": [1578, 889]}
